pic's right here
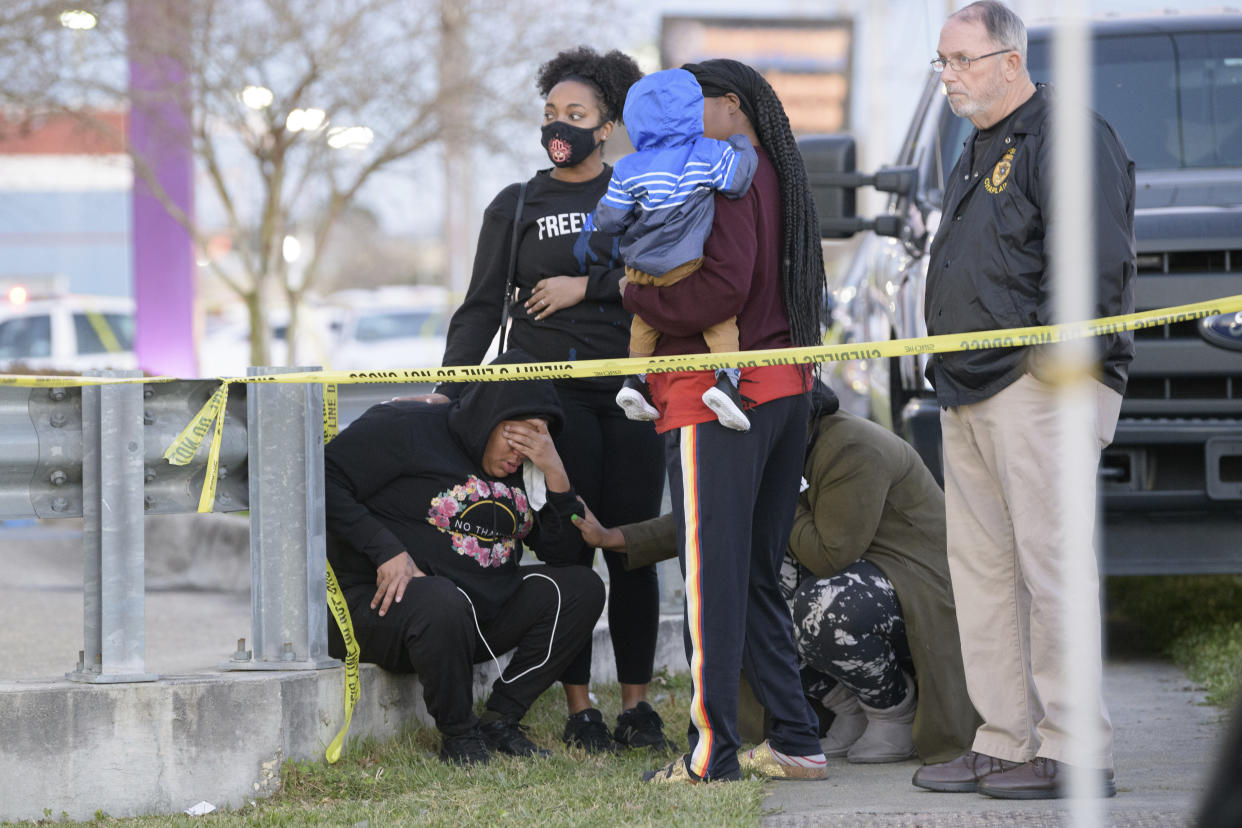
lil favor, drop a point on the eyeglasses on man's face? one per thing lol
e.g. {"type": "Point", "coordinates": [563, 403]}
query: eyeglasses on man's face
{"type": "Point", "coordinates": [962, 64]}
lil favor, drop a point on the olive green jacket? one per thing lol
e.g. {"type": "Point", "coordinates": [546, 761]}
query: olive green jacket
{"type": "Point", "coordinates": [870, 496]}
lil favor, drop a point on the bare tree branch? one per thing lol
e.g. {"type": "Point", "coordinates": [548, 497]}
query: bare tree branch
{"type": "Point", "coordinates": [365, 63]}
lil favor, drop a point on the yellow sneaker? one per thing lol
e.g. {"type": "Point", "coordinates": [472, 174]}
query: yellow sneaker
{"type": "Point", "coordinates": [761, 761]}
{"type": "Point", "coordinates": [672, 773]}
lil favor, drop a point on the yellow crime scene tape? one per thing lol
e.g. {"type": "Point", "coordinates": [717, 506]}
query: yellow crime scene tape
{"type": "Point", "coordinates": [330, 426]}
{"type": "Point", "coordinates": [945, 343]}
{"type": "Point", "coordinates": [188, 442]}
{"type": "Point", "coordinates": [185, 445]}
{"type": "Point", "coordinates": [581, 369]}
{"type": "Point", "coordinates": [353, 687]}
{"type": "Point", "coordinates": [73, 381]}
{"type": "Point", "coordinates": [338, 607]}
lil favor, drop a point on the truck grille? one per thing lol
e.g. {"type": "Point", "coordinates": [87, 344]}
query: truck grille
{"type": "Point", "coordinates": [1184, 388]}
{"type": "Point", "coordinates": [1191, 261]}
{"type": "Point", "coordinates": [1176, 371]}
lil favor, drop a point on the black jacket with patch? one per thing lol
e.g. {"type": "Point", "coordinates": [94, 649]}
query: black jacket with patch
{"type": "Point", "coordinates": [989, 262]}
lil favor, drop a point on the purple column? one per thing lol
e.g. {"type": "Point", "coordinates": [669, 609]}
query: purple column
{"type": "Point", "coordinates": [159, 134]}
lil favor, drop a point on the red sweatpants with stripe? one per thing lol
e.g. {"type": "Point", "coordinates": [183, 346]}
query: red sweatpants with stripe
{"type": "Point", "coordinates": [734, 494]}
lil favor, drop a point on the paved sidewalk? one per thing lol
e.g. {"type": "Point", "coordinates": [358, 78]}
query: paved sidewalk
{"type": "Point", "coordinates": [188, 630]}
{"type": "Point", "coordinates": [1165, 742]}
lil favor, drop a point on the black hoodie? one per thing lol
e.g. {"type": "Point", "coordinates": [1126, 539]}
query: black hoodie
{"type": "Point", "coordinates": [408, 476]}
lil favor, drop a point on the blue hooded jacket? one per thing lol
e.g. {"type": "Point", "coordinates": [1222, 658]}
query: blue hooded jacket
{"type": "Point", "coordinates": [660, 198]}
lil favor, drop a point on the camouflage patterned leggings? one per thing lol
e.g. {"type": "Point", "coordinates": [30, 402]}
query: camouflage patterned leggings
{"type": "Point", "coordinates": [850, 628]}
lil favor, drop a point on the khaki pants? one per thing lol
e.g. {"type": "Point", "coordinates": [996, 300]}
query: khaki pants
{"type": "Point", "coordinates": [1005, 538]}
{"type": "Point", "coordinates": [721, 338]}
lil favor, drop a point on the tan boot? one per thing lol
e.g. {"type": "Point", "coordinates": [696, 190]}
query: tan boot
{"type": "Point", "coordinates": [847, 725]}
{"type": "Point", "coordinates": [889, 734]}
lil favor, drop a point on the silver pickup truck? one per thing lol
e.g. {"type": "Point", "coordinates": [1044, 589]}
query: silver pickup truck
{"type": "Point", "coordinates": [1171, 85]}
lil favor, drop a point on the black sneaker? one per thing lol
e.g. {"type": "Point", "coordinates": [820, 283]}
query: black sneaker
{"type": "Point", "coordinates": [635, 398]}
{"type": "Point", "coordinates": [507, 736]}
{"type": "Point", "coordinates": [642, 727]}
{"type": "Point", "coordinates": [724, 399]}
{"type": "Point", "coordinates": [586, 730]}
{"type": "Point", "coordinates": [466, 749]}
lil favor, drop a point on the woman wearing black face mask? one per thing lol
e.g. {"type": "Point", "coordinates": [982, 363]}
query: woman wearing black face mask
{"type": "Point", "coordinates": [568, 307]}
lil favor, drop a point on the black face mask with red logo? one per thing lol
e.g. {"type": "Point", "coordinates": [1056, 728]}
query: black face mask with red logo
{"type": "Point", "coordinates": [567, 144]}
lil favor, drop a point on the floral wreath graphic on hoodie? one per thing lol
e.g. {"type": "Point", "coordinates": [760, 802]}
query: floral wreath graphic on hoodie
{"type": "Point", "coordinates": [450, 507]}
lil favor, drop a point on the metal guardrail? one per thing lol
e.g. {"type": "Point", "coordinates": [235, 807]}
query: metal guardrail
{"type": "Point", "coordinates": [288, 553]}
{"type": "Point", "coordinates": [97, 451]}
{"type": "Point", "coordinates": [41, 450]}
{"type": "Point", "coordinates": [114, 609]}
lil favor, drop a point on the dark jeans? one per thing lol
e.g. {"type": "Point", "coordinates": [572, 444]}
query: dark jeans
{"type": "Point", "coordinates": [616, 466]}
{"type": "Point", "coordinates": [433, 633]}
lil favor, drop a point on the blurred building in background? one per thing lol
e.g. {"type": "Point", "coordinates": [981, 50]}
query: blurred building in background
{"type": "Point", "coordinates": [65, 216]}
{"type": "Point", "coordinates": [808, 61]}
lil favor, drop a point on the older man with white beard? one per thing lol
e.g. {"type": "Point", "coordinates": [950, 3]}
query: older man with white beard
{"type": "Point", "coordinates": [989, 269]}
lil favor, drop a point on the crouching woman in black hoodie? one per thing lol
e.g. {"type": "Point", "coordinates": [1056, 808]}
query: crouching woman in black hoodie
{"type": "Point", "coordinates": [428, 509]}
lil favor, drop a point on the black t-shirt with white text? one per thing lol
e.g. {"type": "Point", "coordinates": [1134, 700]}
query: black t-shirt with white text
{"type": "Point", "coordinates": [550, 243]}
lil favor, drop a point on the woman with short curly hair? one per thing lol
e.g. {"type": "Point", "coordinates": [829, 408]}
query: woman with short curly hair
{"type": "Point", "coordinates": [568, 307]}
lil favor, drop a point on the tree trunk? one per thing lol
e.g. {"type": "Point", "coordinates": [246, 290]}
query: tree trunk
{"type": "Point", "coordinates": [294, 299]}
{"type": "Point", "coordinates": [259, 334]}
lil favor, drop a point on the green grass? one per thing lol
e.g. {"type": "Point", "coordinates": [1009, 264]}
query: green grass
{"type": "Point", "coordinates": [401, 782]}
{"type": "Point", "coordinates": [1195, 620]}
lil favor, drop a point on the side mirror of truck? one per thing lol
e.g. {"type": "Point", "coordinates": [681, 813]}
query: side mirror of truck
{"type": "Point", "coordinates": [827, 157]}
{"type": "Point", "coordinates": [829, 161]}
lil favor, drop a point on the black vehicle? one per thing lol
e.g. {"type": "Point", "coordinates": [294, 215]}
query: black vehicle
{"type": "Point", "coordinates": [1171, 86]}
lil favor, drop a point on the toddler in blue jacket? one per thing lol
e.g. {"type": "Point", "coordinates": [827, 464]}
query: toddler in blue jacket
{"type": "Point", "coordinates": [660, 202]}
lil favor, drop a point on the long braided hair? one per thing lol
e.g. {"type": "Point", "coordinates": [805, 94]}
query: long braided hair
{"type": "Point", "coordinates": [802, 257]}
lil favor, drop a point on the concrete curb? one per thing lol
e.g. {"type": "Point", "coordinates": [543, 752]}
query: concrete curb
{"type": "Point", "coordinates": [160, 747]}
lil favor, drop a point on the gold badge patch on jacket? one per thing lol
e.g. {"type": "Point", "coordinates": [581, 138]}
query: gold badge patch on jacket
{"type": "Point", "coordinates": [999, 179]}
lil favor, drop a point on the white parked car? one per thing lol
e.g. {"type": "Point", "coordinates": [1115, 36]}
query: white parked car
{"type": "Point", "coordinates": [71, 333]}
{"type": "Point", "coordinates": [224, 350]}
{"type": "Point", "coordinates": [382, 337]}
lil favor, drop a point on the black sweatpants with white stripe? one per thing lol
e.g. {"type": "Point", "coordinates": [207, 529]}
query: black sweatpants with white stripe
{"type": "Point", "coordinates": [433, 632]}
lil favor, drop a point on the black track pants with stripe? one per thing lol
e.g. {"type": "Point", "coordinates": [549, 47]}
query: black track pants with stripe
{"type": "Point", "coordinates": [734, 495]}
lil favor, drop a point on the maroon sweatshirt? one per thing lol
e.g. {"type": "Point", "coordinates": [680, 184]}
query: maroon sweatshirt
{"type": "Point", "coordinates": [740, 276]}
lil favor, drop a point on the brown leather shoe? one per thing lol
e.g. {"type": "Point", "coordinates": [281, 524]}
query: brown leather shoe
{"type": "Point", "coordinates": [960, 775]}
{"type": "Point", "coordinates": [1042, 778]}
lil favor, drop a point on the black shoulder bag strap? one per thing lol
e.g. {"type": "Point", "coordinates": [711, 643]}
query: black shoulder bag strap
{"type": "Point", "coordinates": [511, 281]}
